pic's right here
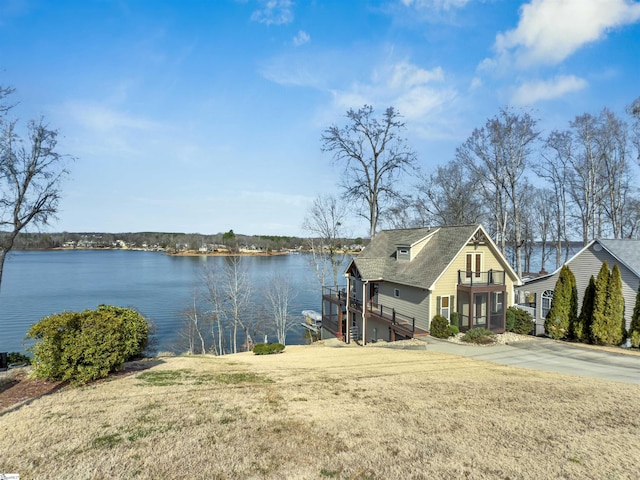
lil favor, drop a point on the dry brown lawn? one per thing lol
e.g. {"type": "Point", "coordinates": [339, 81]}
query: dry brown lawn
{"type": "Point", "coordinates": [325, 412]}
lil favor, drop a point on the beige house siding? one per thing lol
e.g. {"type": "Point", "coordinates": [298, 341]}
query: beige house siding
{"type": "Point", "coordinates": [583, 266]}
{"type": "Point", "coordinates": [447, 284]}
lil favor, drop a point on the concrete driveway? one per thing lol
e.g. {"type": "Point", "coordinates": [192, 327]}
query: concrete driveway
{"type": "Point", "coordinates": [550, 356]}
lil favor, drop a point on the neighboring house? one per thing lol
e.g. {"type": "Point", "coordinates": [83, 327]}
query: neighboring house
{"type": "Point", "coordinates": [536, 294]}
{"type": "Point", "coordinates": [405, 277]}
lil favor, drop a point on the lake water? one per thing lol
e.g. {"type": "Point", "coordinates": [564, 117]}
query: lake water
{"type": "Point", "coordinates": [39, 283]}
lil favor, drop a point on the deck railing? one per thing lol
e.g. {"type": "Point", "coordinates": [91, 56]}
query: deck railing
{"type": "Point", "coordinates": [492, 277]}
{"type": "Point", "coordinates": [336, 293]}
{"type": "Point", "coordinates": [386, 313]}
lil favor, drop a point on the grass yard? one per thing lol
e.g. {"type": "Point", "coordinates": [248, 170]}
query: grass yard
{"type": "Point", "coordinates": [321, 412]}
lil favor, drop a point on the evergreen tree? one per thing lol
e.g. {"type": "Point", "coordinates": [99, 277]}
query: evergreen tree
{"type": "Point", "coordinates": [614, 309]}
{"type": "Point", "coordinates": [573, 301]}
{"type": "Point", "coordinates": [599, 321]}
{"type": "Point", "coordinates": [562, 309]}
{"type": "Point", "coordinates": [582, 329]}
{"type": "Point", "coordinates": [634, 328]}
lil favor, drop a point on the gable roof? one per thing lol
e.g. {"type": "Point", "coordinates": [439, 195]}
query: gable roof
{"type": "Point", "coordinates": [377, 261]}
{"type": "Point", "coordinates": [625, 251]}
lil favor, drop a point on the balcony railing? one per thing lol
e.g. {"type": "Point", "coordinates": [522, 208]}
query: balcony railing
{"type": "Point", "coordinates": [385, 313]}
{"type": "Point", "coordinates": [473, 279]}
{"type": "Point", "coordinates": [337, 294]}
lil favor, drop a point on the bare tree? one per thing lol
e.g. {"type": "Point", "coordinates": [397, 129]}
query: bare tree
{"type": "Point", "coordinates": [498, 155]}
{"type": "Point", "coordinates": [217, 313]}
{"type": "Point", "coordinates": [615, 151]}
{"type": "Point", "coordinates": [236, 288]}
{"type": "Point", "coordinates": [555, 167]}
{"type": "Point", "coordinates": [193, 326]}
{"type": "Point", "coordinates": [373, 155]}
{"type": "Point", "coordinates": [450, 196]}
{"type": "Point", "coordinates": [280, 292]}
{"type": "Point", "coordinates": [634, 111]}
{"type": "Point", "coordinates": [31, 174]}
{"type": "Point", "coordinates": [325, 225]}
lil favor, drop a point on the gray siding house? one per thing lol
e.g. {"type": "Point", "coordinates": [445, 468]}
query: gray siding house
{"type": "Point", "coordinates": [406, 276]}
{"type": "Point", "coordinates": [536, 294]}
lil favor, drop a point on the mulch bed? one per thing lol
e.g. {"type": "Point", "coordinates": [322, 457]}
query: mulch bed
{"type": "Point", "coordinates": [15, 387]}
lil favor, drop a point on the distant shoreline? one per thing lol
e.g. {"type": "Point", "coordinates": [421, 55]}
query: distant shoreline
{"type": "Point", "coordinates": [186, 253]}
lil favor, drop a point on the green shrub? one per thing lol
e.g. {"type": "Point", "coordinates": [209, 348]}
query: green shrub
{"type": "Point", "coordinates": [453, 330]}
{"type": "Point", "coordinates": [260, 349]}
{"type": "Point", "coordinates": [267, 349]}
{"type": "Point", "coordinates": [439, 327]}
{"type": "Point", "coordinates": [510, 322]}
{"type": "Point", "coordinates": [84, 346]}
{"type": "Point", "coordinates": [454, 319]}
{"type": "Point", "coordinates": [17, 358]}
{"type": "Point", "coordinates": [564, 305]}
{"type": "Point", "coordinates": [479, 335]}
{"type": "Point", "coordinates": [522, 321]}
{"type": "Point", "coordinates": [634, 327]}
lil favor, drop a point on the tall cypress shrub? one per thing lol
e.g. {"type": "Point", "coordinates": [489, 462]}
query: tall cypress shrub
{"type": "Point", "coordinates": [634, 328]}
{"type": "Point", "coordinates": [560, 314]}
{"type": "Point", "coordinates": [582, 329]}
{"type": "Point", "coordinates": [614, 309]}
{"type": "Point", "coordinates": [573, 301]}
{"type": "Point", "coordinates": [599, 321]}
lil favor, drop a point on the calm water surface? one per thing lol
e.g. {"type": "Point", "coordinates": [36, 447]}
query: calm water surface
{"type": "Point", "coordinates": [38, 283]}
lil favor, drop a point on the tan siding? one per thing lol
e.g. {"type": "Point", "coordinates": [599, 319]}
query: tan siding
{"type": "Point", "coordinates": [447, 284]}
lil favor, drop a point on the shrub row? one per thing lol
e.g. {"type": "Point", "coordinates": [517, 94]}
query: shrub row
{"type": "Point", "coordinates": [267, 349]}
{"type": "Point", "coordinates": [84, 346]}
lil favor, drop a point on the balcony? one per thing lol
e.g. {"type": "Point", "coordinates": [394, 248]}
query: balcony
{"type": "Point", "coordinates": [475, 279]}
{"type": "Point", "coordinates": [400, 324]}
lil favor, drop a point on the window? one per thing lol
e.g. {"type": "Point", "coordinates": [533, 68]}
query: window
{"type": "Point", "coordinates": [474, 260]}
{"type": "Point", "coordinates": [547, 296]}
{"type": "Point", "coordinates": [396, 292]}
{"type": "Point", "coordinates": [444, 307]}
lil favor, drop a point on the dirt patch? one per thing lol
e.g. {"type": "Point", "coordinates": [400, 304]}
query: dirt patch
{"type": "Point", "coordinates": [16, 387]}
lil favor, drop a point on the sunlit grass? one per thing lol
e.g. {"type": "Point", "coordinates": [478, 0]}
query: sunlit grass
{"type": "Point", "coordinates": [320, 412]}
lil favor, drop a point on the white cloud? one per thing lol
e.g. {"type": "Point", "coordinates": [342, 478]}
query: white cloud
{"type": "Point", "coordinates": [532, 92]}
{"type": "Point", "coordinates": [551, 30]}
{"type": "Point", "coordinates": [274, 12]}
{"type": "Point", "coordinates": [301, 38]}
{"type": "Point", "coordinates": [414, 91]}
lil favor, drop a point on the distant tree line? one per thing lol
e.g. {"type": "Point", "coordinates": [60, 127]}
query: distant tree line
{"type": "Point", "coordinates": [165, 241]}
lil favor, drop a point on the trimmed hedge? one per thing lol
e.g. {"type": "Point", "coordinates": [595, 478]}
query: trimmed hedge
{"type": "Point", "coordinates": [83, 346]}
{"type": "Point", "coordinates": [519, 321]}
{"type": "Point", "coordinates": [439, 327]}
{"type": "Point", "coordinates": [268, 349]}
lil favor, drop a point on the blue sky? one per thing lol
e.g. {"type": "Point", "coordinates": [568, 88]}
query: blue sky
{"type": "Point", "coordinates": [205, 116]}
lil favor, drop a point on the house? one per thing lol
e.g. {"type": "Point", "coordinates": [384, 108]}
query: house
{"type": "Point", "coordinates": [405, 277]}
{"type": "Point", "coordinates": [536, 294]}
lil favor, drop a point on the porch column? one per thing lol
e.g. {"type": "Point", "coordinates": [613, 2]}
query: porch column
{"type": "Point", "coordinates": [365, 286]}
{"type": "Point", "coordinates": [348, 319]}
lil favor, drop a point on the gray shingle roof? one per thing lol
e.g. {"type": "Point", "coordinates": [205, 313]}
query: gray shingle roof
{"type": "Point", "coordinates": [626, 250]}
{"type": "Point", "coordinates": [378, 262]}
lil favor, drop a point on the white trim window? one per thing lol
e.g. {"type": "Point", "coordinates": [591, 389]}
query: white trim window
{"type": "Point", "coordinates": [547, 297]}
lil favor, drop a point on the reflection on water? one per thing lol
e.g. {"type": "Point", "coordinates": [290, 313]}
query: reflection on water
{"type": "Point", "coordinates": [38, 283]}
